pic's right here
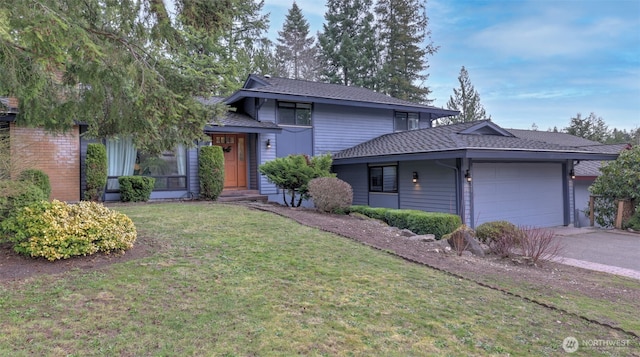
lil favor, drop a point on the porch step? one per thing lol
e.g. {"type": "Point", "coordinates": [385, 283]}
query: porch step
{"type": "Point", "coordinates": [241, 195]}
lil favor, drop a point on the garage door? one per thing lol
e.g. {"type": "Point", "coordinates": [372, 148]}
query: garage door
{"type": "Point", "coordinates": [523, 194]}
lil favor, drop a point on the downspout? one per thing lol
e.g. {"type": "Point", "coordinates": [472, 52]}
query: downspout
{"type": "Point", "coordinates": [459, 198]}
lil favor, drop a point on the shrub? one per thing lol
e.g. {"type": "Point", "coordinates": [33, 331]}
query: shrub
{"type": "Point", "coordinates": [372, 212]}
{"type": "Point", "coordinates": [490, 231]}
{"type": "Point", "coordinates": [211, 172]}
{"type": "Point", "coordinates": [634, 220]}
{"type": "Point", "coordinates": [57, 230]}
{"type": "Point", "coordinates": [17, 194]}
{"type": "Point", "coordinates": [458, 238]}
{"type": "Point", "coordinates": [38, 178]}
{"type": "Point", "coordinates": [293, 173]}
{"type": "Point", "coordinates": [135, 188]}
{"type": "Point", "coordinates": [504, 244]}
{"type": "Point", "coordinates": [330, 194]}
{"type": "Point", "coordinates": [96, 171]}
{"type": "Point", "coordinates": [539, 244]}
{"type": "Point", "coordinates": [419, 222]}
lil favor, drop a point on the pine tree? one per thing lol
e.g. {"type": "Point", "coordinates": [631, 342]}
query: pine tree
{"type": "Point", "coordinates": [122, 67]}
{"type": "Point", "coordinates": [296, 49]}
{"type": "Point", "coordinates": [348, 50]}
{"type": "Point", "coordinates": [591, 127]}
{"type": "Point", "coordinates": [466, 100]}
{"type": "Point", "coordinates": [403, 30]}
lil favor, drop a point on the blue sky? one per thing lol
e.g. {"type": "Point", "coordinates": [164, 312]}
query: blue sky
{"type": "Point", "coordinates": [532, 61]}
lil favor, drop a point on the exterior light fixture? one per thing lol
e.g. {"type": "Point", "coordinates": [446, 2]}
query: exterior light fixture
{"type": "Point", "coordinates": [467, 176]}
{"type": "Point", "coordinates": [268, 143]}
{"type": "Point", "coordinates": [415, 177]}
{"type": "Point", "coordinates": [572, 174]}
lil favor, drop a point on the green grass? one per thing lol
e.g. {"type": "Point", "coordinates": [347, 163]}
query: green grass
{"type": "Point", "coordinates": [229, 281]}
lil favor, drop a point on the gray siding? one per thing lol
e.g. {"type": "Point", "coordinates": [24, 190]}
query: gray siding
{"type": "Point", "coordinates": [267, 111]}
{"type": "Point", "coordinates": [356, 176]}
{"type": "Point", "coordinates": [386, 200]}
{"type": "Point", "coordinates": [338, 127]}
{"type": "Point", "coordinates": [581, 189]}
{"type": "Point", "coordinates": [295, 140]}
{"type": "Point", "coordinates": [435, 190]}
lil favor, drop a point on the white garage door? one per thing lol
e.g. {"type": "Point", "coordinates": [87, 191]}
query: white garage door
{"type": "Point", "coordinates": [523, 194]}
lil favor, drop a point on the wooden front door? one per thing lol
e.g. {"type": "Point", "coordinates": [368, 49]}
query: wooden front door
{"type": "Point", "coordinates": [235, 159]}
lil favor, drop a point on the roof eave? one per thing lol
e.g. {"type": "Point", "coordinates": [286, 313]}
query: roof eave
{"type": "Point", "coordinates": [241, 94]}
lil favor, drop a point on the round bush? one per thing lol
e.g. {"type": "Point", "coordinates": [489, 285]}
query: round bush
{"type": "Point", "coordinates": [38, 178]}
{"type": "Point", "coordinates": [17, 194]}
{"type": "Point", "coordinates": [57, 230]}
{"type": "Point", "coordinates": [491, 231]}
{"type": "Point", "coordinates": [330, 194]}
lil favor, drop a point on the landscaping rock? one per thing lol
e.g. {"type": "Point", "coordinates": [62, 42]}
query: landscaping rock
{"type": "Point", "coordinates": [424, 238]}
{"type": "Point", "coordinates": [406, 233]}
{"type": "Point", "coordinates": [470, 241]}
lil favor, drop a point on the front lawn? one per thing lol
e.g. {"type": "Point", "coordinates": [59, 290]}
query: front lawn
{"type": "Point", "coordinates": [231, 281]}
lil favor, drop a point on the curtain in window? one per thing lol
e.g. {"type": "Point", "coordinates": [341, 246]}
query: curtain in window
{"type": "Point", "coordinates": [121, 159]}
{"type": "Point", "coordinates": [181, 158]}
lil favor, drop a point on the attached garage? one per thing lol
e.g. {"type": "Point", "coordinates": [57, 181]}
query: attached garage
{"type": "Point", "coordinates": [528, 194]}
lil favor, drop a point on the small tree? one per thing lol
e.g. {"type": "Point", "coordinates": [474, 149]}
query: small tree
{"type": "Point", "coordinates": [466, 100]}
{"type": "Point", "coordinates": [38, 178]}
{"type": "Point", "coordinates": [211, 172]}
{"type": "Point", "coordinates": [620, 180]}
{"type": "Point", "coordinates": [96, 164]}
{"type": "Point", "coordinates": [293, 173]}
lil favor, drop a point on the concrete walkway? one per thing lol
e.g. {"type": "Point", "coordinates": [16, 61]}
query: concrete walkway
{"type": "Point", "coordinates": [611, 251]}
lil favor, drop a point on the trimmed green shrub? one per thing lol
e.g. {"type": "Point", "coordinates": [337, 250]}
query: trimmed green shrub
{"type": "Point", "coordinates": [330, 194]}
{"type": "Point", "coordinates": [211, 172]}
{"type": "Point", "coordinates": [96, 171]}
{"type": "Point", "coordinates": [491, 231]}
{"type": "Point", "coordinates": [419, 222]}
{"type": "Point", "coordinates": [372, 212]}
{"type": "Point", "coordinates": [293, 173]}
{"type": "Point", "coordinates": [136, 188]}
{"type": "Point", "coordinates": [38, 178]}
{"type": "Point", "coordinates": [57, 230]}
{"type": "Point", "coordinates": [17, 194]}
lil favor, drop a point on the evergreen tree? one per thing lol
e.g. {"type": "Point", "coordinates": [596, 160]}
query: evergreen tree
{"type": "Point", "coordinates": [466, 100]}
{"type": "Point", "coordinates": [347, 45]}
{"type": "Point", "coordinates": [403, 30]}
{"type": "Point", "coordinates": [296, 49]}
{"type": "Point", "coordinates": [591, 127]}
{"type": "Point", "coordinates": [123, 67]}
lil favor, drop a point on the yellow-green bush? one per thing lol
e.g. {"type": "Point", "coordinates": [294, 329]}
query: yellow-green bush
{"type": "Point", "coordinates": [57, 230]}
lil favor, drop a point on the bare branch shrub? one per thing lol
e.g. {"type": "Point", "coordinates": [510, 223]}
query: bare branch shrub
{"type": "Point", "coordinates": [504, 244]}
{"type": "Point", "coordinates": [457, 239]}
{"type": "Point", "coordinates": [539, 244]}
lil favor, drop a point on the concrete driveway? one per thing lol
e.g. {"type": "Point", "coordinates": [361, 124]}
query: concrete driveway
{"type": "Point", "coordinates": [611, 251]}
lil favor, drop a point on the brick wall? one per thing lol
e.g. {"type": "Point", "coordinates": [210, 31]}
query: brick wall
{"type": "Point", "coordinates": [57, 155]}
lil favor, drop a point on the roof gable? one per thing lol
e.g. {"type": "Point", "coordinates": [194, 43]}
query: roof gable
{"type": "Point", "coordinates": [485, 127]}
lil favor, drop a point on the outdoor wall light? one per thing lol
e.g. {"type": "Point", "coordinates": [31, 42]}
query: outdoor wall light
{"type": "Point", "coordinates": [467, 176]}
{"type": "Point", "coordinates": [415, 177]}
{"type": "Point", "coordinates": [268, 143]}
{"type": "Point", "coordinates": [572, 174]}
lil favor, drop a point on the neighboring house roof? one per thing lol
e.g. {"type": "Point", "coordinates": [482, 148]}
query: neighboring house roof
{"type": "Point", "coordinates": [588, 168]}
{"type": "Point", "coordinates": [317, 92]}
{"type": "Point", "coordinates": [8, 108]}
{"type": "Point", "coordinates": [237, 122]}
{"type": "Point", "coordinates": [480, 139]}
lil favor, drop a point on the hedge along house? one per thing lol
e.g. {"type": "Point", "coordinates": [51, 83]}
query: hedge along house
{"type": "Point", "coordinates": [477, 170]}
{"type": "Point", "coordinates": [58, 155]}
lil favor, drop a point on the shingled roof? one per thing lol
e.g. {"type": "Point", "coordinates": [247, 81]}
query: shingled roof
{"type": "Point", "coordinates": [237, 122]}
{"type": "Point", "coordinates": [463, 137]}
{"type": "Point", "coordinates": [318, 92]}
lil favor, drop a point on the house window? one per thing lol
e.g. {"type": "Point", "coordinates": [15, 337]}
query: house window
{"type": "Point", "coordinates": [169, 168]}
{"type": "Point", "coordinates": [383, 179]}
{"type": "Point", "coordinates": [406, 121]}
{"type": "Point", "coordinates": [294, 113]}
